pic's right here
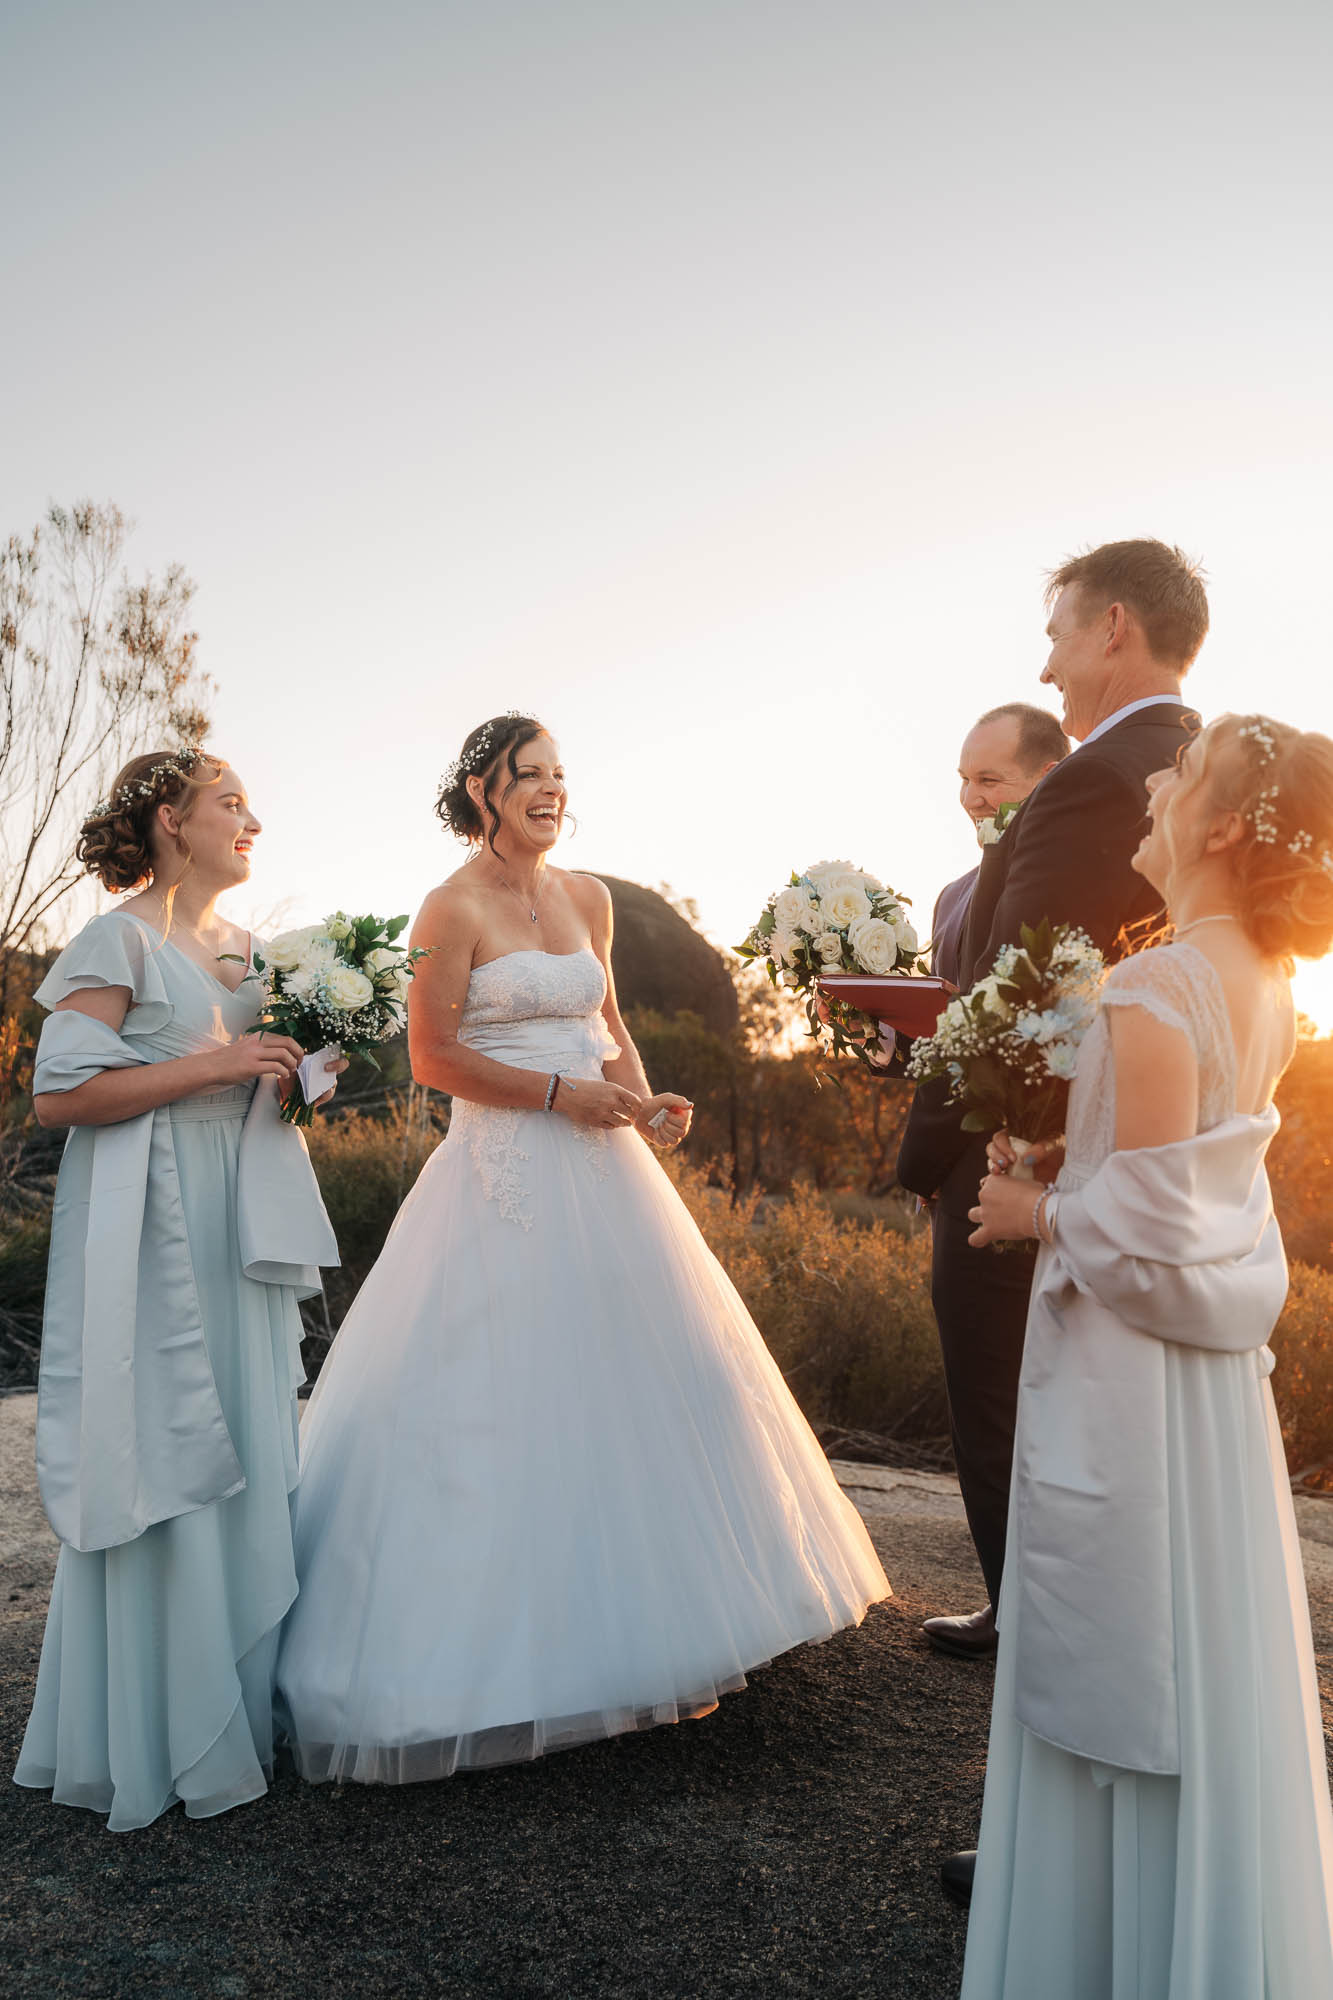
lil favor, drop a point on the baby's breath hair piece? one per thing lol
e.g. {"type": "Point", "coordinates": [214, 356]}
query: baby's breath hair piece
{"type": "Point", "coordinates": [473, 764]}
{"type": "Point", "coordinates": [1258, 732]}
{"type": "Point", "coordinates": [1263, 816]}
{"type": "Point", "coordinates": [180, 764]}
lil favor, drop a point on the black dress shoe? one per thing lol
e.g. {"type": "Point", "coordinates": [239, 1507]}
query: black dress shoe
{"type": "Point", "coordinates": [956, 1876]}
{"type": "Point", "coordinates": [973, 1638]}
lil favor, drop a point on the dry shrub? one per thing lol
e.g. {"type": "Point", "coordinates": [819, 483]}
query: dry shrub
{"type": "Point", "coordinates": [366, 1167]}
{"type": "Point", "coordinates": [844, 1307]}
{"type": "Point", "coordinates": [1303, 1378]}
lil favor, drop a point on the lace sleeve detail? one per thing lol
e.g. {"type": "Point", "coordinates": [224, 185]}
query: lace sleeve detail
{"type": "Point", "coordinates": [1177, 985]}
{"type": "Point", "coordinates": [1155, 981]}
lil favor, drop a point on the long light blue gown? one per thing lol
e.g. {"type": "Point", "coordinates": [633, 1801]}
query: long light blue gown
{"type": "Point", "coordinates": [1157, 1823]}
{"type": "Point", "coordinates": [167, 1441]}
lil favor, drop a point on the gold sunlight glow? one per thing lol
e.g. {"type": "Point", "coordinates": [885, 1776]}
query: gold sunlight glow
{"type": "Point", "coordinates": [1312, 989]}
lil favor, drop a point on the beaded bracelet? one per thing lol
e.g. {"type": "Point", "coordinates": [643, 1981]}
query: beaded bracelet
{"type": "Point", "coordinates": [1037, 1207]}
{"type": "Point", "coordinates": [552, 1088]}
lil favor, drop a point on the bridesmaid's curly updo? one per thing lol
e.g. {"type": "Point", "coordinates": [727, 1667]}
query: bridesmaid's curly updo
{"type": "Point", "coordinates": [485, 748]}
{"type": "Point", "coordinates": [115, 841]}
{"type": "Point", "coordinates": [1280, 781]}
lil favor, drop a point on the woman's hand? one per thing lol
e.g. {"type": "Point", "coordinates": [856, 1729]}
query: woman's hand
{"type": "Point", "coordinates": [262, 1054]}
{"type": "Point", "coordinates": [331, 1069]}
{"type": "Point", "coordinates": [673, 1128]}
{"type": "Point", "coordinates": [1044, 1156]}
{"type": "Point", "coordinates": [588, 1101]}
{"type": "Point", "coordinates": [1004, 1211]}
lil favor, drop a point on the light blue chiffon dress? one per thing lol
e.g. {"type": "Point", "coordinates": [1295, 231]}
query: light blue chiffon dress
{"type": "Point", "coordinates": [166, 1436]}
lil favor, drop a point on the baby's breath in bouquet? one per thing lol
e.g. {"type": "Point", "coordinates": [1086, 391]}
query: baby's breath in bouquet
{"type": "Point", "coordinates": [835, 918]}
{"type": "Point", "coordinates": [1010, 1047]}
{"type": "Point", "coordinates": [337, 988]}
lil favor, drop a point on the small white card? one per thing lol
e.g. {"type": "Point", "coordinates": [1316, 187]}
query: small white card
{"type": "Point", "coordinates": [315, 1075]}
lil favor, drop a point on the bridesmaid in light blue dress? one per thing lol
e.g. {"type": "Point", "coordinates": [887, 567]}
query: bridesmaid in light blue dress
{"type": "Point", "coordinates": [187, 1224]}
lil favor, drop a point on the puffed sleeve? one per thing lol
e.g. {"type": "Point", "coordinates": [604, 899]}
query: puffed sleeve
{"type": "Point", "coordinates": [112, 950]}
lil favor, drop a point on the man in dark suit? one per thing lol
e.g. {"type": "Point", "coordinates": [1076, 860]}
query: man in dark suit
{"type": "Point", "coordinates": [1005, 754]}
{"type": "Point", "coordinates": [1126, 620]}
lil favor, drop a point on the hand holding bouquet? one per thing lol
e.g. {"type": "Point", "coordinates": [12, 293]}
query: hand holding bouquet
{"type": "Point", "coordinates": [336, 988]}
{"type": "Point", "coordinates": [834, 918]}
{"type": "Point", "coordinates": [1010, 1047]}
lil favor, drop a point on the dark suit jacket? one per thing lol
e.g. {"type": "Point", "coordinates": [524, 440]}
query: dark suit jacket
{"type": "Point", "coordinates": [946, 926]}
{"type": "Point", "coordinates": [1065, 855]}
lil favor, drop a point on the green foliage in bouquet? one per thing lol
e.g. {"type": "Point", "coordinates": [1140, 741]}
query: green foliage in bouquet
{"type": "Point", "coordinates": [1010, 1046]}
{"type": "Point", "coordinates": [835, 918]}
{"type": "Point", "coordinates": [341, 984]}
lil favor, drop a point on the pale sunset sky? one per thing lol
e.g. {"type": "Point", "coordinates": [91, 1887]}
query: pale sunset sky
{"type": "Point", "coordinates": [716, 379]}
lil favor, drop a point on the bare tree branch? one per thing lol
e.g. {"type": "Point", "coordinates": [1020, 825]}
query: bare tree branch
{"type": "Point", "coordinates": [93, 667]}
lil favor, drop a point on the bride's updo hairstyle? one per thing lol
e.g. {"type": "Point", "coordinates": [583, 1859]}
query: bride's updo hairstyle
{"type": "Point", "coordinates": [491, 749]}
{"type": "Point", "coordinates": [115, 841]}
{"type": "Point", "coordinates": [1280, 780]}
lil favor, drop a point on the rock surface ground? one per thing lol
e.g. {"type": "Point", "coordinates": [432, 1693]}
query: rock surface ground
{"type": "Point", "coordinates": [786, 1845]}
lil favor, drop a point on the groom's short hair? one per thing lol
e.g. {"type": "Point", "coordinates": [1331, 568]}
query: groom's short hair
{"type": "Point", "coordinates": [1162, 586]}
{"type": "Point", "coordinates": [1041, 741]}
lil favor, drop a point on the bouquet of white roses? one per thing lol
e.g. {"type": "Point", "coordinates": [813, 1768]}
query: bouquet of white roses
{"type": "Point", "coordinates": [1010, 1047]}
{"type": "Point", "coordinates": [835, 918]}
{"type": "Point", "coordinates": [337, 988]}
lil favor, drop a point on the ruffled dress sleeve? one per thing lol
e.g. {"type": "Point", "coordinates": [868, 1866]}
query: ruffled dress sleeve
{"type": "Point", "coordinates": [112, 950]}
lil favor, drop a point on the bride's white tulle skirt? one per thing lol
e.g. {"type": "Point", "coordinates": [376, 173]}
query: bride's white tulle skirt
{"type": "Point", "coordinates": [553, 1485]}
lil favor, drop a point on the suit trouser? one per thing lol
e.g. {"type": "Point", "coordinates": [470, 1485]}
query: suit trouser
{"type": "Point", "coordinates": [981, 1307]}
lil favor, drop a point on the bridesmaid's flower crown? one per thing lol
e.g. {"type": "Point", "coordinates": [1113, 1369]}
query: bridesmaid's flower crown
{"type": "Point", "coordinates": [181, 764]}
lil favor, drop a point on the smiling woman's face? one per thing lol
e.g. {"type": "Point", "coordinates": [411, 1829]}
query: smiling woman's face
{"type": "Point", "coordinates": [531, 805]}
{"type": "Point", "coordinates": [1183, 814]}
{"type": "Point", "coordinates": [219, 832]}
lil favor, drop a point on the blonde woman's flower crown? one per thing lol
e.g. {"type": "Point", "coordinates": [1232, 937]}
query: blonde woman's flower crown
{"type": "Point", "coordinates": [180, 764]}
{"type": "Point", "coordinates": [1263, 813]}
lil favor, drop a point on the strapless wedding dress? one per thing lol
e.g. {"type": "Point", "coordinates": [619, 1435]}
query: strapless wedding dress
{"type": "Point", "coordinates": [553, 1485]}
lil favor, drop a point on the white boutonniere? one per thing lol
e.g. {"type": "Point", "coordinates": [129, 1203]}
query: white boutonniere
{"type": "Point", "coordinates": [989, 830]}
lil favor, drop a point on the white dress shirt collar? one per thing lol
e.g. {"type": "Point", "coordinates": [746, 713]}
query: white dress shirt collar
{"type": "Point", "coordinates": [1130, 708]}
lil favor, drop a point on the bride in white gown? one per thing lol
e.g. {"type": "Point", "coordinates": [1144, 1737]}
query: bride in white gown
{"type": "Point", "coordinates": [553, 1485]}
{"type": "Point", "coordinates": [1157, 1822]}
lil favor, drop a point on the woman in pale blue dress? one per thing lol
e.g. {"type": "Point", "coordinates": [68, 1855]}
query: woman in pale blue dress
{"type": "Point", "coordinates": [186, 1226]}
{"type": "Point", "coordinates": [1157, 1823]}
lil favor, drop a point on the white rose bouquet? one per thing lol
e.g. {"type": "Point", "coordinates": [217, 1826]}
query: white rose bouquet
{"type": "Point", "coordinates": [337, 988]}
{"type": "Point", "coordinates": [1010, 1047]}
{"type": "Point", "coordinates": [835, 918]}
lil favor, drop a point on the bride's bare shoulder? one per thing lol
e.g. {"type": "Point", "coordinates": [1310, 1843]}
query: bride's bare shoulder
{"type": "Point", "coordinates": [588, 892]}
{"type": "Point", "coordinates": [452, 906]}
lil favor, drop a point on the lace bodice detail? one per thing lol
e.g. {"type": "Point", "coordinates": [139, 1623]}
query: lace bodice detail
{"type": "Point", "coordinates": [534, 986]}
{"type": "Point", "coordinates": [535, 1010]}
{"type": "Point", "coordinates": [1178, 986]}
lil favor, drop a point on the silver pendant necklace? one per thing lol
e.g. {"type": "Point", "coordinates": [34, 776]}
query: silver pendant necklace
{"type": "Point", "coordinates": [1222, 917]}
{"type": "Point", "coordinates": [522, 903]}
